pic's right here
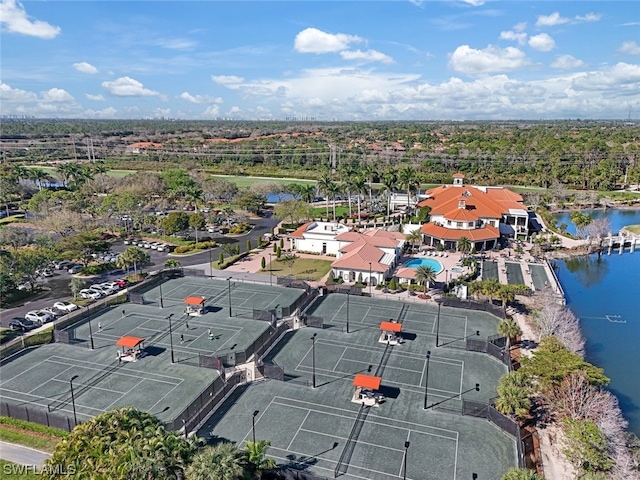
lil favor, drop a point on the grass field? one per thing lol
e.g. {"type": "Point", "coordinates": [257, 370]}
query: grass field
{"type": "Point", "coordinates": [242, 181]}
{"type": "Point", "coordinates": [635, 229]}
{"type": "Point", "coordinates": [112, 173]}
{"type": "Point", "coordinates": [322, 211]}
{"type": "Point", "coordinates": [302, 268]}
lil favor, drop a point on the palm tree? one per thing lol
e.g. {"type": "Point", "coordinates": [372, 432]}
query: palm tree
{"type": "Point", "coordinates": [38, 175]}
{"type": "Point", "coordinates": [389, 180]}
{"type": "Point", "coordinates": [306, 191]}
{"type": "Point", "coordinates": [326, 186]}
{"type": "Point", "coordinates": [407, 180]}
{"type": "Point", "coordinates": [222, 461]}
{"type": "Point", "coordinates": [256, 458]}
{"type": "Point", "coordinates": [464, 245]}
{"type": "Point", "coordinates": [425, 275]}
{"type": "Point", "coordinates": [506, 294]}
{"type": "Point", "coordinates": [357, 185]}
{"type": "Point", "coordinates": [172, 263]}
{"type": "Point", "coordinates": [334, 189]}
{"type": "Point", "coordinates": [514, 395]}
{"type": "Point", "coordinates": [510, 329]}
{"type": "Point", "coordinates": [369, 172]}
{"type": "Point", "coordinates": [346, 172]}
{"type": "Point", "coordinates": [132, 256]}
{"type": "Point", "coordinates": [521, 474]}
{"type": "Point", "coordinates": [414, 237]}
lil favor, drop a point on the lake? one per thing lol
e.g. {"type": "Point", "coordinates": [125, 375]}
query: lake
{"type": "Point", "coordinates": [605, 294]}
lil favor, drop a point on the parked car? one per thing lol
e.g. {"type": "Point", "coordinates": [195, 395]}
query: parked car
{"type": "Point", "coordinates": [64, 265]}
{"type": "Point", "coordinates": [52, 311]}
{"type": "Point", "coordinates": [103, 288]}
{"type": "Point", "coordinates": [39, 317]}
{"type": "Point", "coordinates": [44, 272]}
{"type": "Point", "coordinates": [65, 306]}
{"type": "Point", "coordinates": [122, 283]}
{"type": "Point", "coordinates": [75, 268]}
{"type": "Point", "coordinates": [91, 293]}
{"type": "Point", "coordinates": [23, 324]}
{"type": "Point", "coordinates": [114, 286]}
{"type": "Point", "coordinates": [162, 248]}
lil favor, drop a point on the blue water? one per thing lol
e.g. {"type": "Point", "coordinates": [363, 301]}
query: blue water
{"type": "Point", "coordinates": [618, 218]}
{"type": "Point", "coordinates": [605, 294]}
{"type": "Point", "coordinates": [425, 262]}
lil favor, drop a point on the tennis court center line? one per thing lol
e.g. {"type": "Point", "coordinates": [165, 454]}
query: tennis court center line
{"type": "Point", "coordinates": [404, 452]}
{"type": "Point", "coordinates": [123, 394]}
{"type": "Point", "coordinates": [92, 366]}
{"type": "Point", "coordinates": [165, 395]}
{"type": "Point", "coordinates": [299, 428]}
{"type": "Point", "coordinates": [27, 370]}
{"type": "Point", "coordinates": [339, 359]}
{"type": "Point", "coordinates": [40, 385]}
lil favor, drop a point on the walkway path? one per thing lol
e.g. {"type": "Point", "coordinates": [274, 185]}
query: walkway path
{"type": "Point", "coordinates": [22, 455]}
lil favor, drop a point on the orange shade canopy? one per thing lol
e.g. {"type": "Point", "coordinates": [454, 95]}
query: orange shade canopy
{"type": "Point", "coordinates": [391, 327]}
{"type": "Point", "coordinates": [367, 381]}
{"type": "Point", "coordinates": [194, 300]}
{"type": "Point", "coordinates": [129, 342]}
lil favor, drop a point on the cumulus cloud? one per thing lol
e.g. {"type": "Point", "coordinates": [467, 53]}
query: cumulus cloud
{"type": "Point", "coordinates": [312, 40]}
{"type": "Point", "coordinates": [127, 87]}
{"type": "Point", "coordinates": [542, 42]}
{"type": "Point", "coordinates": [85, 67]}
{"type": "Point", "coordinates": [551, 20]}
{"type": "Point", "coordinates": [475, 3]}
{"type": "Point", "coordinates": [621, 78]}
{"type": "Point", "coordinates": [567, 62]}
{"type": "Point", "coordinates": [589, 17]}
{"type": "Point", "coordinates": [520, 37]}
{"type": "Point", "coordinates": [9, 94]}
{"type": "Point", "coordinates": [211, 111]}
{"type": "Point", "coordinates": [198, 99]}
{"type": "Point", "coordinates": [56, 95]}
{"type": "Point", "coordinates": [15, 20]}
{"type": "Point", "coordinates": [630, 48]}
{"type": "Point", "coordinates": [95, 98]}
{"type": "Point", "coordinates": [226, 80]}
{"type": "Point", "coordinates": [489, 60]}
{"type": "Point", "coordinates": [367, 56]}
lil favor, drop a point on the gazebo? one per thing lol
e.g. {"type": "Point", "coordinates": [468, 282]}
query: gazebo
{"type": "Point", "coordinates": [194, 306]}
{"type": "Point", "coordinates": [390, 333]}
{"type": "Point", "coordinates": [129, 345]}
{"type": "Point", "coordinates": [366, 390]}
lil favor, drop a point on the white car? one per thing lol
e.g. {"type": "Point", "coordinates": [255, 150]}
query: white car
{"type": "Point", "coordinates": [39, 317]}
{"type": "Point", "coordinates": [106, 288]}
{"type": "Point", "coordinates": [99, 287]}
{"type": "Point", "coordinates": [65, 306]}
{"type": "Point", "coordinates": [52, 311]}
{"type": "Point", "coordinates": [112, 285]}
{"type": "Point", "coordinates": [91, 293]}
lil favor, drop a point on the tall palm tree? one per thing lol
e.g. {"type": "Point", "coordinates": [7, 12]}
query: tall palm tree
{"type": "Point", "coordinates": [464, 245]}
{"type": "Point", "coordinates": [506, 294]}
{"type": "Point", "coordinates": [132, 256]}
{"type": "Point", "coordinates": [357, 184]}
{"type": "Point", "coordinates": [425, 275]}
{"type": "Point", "coordinates": [346, 173]}
{"type": "Point", "coordinates": [325, 186]}
{"type": "Point", "coordinates": [222, 461]}
{"type": "Point", "coordinates": [256, 458]}
{"type": "Point", "coordinates": [369, 172]}
{"type": "Point", "coordinates": [333, 191]}
{"type": "Point", "coordinates": [407, 180]}
{"type": "Point", "coordinates": [306, 191]}
{"type": "Point", "coordinates": [389, 180]}
{"type": "Point", "coordinates": [38, 175]}
{"type": "Point", "coordinates": [510, 329]}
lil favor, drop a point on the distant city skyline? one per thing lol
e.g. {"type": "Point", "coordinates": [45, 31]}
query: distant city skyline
{"type": "Point", "coordinates": [331, 60]}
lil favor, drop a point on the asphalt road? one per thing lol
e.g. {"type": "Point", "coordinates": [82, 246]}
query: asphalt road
{"type": "Point", "coordinates": [59, 283]}
{"type": "Point", "coordinates": [22, 455]}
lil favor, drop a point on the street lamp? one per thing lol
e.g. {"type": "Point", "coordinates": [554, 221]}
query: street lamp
{"type": "Point", "coordinates": [210, 264]}
{"type": "Point", "coordinates": [313, 360]}
{"type": "Point", "coordinates": [446, 277]}
{"type": "Point", "coordinates": [229, 294]}
{"type": "Point", "coordinates": [253, 425]}
{"type": "Point", "coordinates": [406, 452]}
{"type": "Point", "coordinates": [270, 269]}
{"type": "Point", "coordinates": [171, 337]}
{"type": "Point", "coordinates": [161, 301]}
{"type": "Point", "coordinates": [90, 331]}
{"type": "Point", "coordinates": [426, 385]}
{"type": "Point", "coordinates": [73, 400]}
{"type": "Point", "coordinates": [438, 324]}
{"type": "Point", "coordinates": [369, 278]}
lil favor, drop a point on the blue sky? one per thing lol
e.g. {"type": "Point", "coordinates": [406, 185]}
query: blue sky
{"type": "Point", "coordinates": [363, 60]}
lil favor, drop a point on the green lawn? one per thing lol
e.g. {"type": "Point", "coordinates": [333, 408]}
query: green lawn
{"type": "Point", "coordinates": [7, 334]}
{"type": "Point", "coordinates": [340, 211]}
{"type": "Point", "coordinates": [635, 229]}
{"type": "Point", "coordinates": [11, 219]}
{"type": "Point", "coordinates": [111, 173]}
{"type": "Point", "coordinates": [302, 268]}
{"type": "Point", "coordinates": [243, 181]}
{"type": "Point", "coordinates": [30, 434]}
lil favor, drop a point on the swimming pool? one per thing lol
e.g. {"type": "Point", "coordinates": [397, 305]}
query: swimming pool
{"type": "Point", "coordinates": [425, 262]}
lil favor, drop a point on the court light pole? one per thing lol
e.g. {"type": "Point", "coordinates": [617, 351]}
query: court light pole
{"type": "Point", "coordinates": [270, 269]}
{"type": "Point", "coordinates": [253, 425]}
{"type": "Point", "coordinates": [313, 360]}
{"type": "Point", "coordinates": [446, 278]}
{"type": "Point", "coordinates": [438, 324]}
{"type": "Point", "coordinates": [161, 301]}
{"type": "Point", "coordinates": [370, 279]}
{"type": "Point", "coordinates": [210, 264]}
{"type": "Point", "coordinates": [229, 294]}
{"type": "Point", "coordinates": [73, 399]}
{"type": "Point", "coordinates": [171, 337]}
{"type": "Point", "coordinates": [406, 452]}
{"type": "Point", "coordinates": [90, 330]}
{"type": "Point", "coordinates": [426, 385]}
{"type": "Point", "coordinates": [347, 312]}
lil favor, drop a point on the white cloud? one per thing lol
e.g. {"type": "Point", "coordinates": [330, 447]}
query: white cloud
{"type": "Point", "coordinates": [475, 3]}
{"type": "Point", "coordinates": [9, 94]}
{"type": "Point", "coordinates": [567, 62]}
{"type": "Point", "coordinates": [57, 95]}
{"type": "Point", "coordinates": [489, 60]}
{"type": "Point", "coordinates": [212, 111]}
{"type": "Point", "coordinates": [95, 98]}
{"type": "Point", "coordinates": [312, 40]}
{"type": "Point", "coordinates": [367, 56]}
{"type": "Point", "coordinates": [589, 17]}
{"type": "Point", "coordinates": [85, 67]}
{"type": "Point", "coordinates": [551, 20]}
{"type": "Point", "coordinates": [108, 112]}
{"type": "Point", "coordinates": [198, 99]}
{"type": "Point", "coordinates": [227, 80]}
{"type": "Point", "coordinates": [629, 47]}
{"type": "Point", "coordinates": [621, 79]}
{"type": "Point", "coordinates": [542, 42]}
{"type": "Point", "coordinates": [127, 87]}
{"type": "Point", "coordinates": [519, 37]}
{"type": "Point", "coordinates": [15, 19]}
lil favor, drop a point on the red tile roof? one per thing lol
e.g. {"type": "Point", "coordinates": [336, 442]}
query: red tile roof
{"type": "Point", "coordinates": [358, 257]}
{"type": "Point", "coordinates": [477, 234]}
{"type": "Point", "coordinates": [300, 230]}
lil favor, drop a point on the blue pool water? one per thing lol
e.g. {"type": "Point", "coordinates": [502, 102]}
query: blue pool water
{"type": "Point", "coordinates": [425, 262]}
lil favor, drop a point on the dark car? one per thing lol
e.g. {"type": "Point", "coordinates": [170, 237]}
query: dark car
{"type": "Point", "coordinates": [23, 324]}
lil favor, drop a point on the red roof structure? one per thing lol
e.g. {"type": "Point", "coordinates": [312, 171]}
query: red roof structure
{"type": "Point", "coordinates": [195, 300]}
{"type": "Point", "coordinates": [129, 342]}
{"type": "Point", "coordinates": [391, 327]}
{"type": "Point", "coordinates": [367, 381]}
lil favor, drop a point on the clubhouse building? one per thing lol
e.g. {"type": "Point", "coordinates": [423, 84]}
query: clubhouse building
{"type": "Point", "coordinates": [481, 214]}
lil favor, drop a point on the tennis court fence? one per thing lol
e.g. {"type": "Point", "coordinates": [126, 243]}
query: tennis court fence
{"type": "Point", "coordinates": [36, 415]}
{"type": "Point", "coordinates": [473, 305]}
{"type": "Point", "coordinates": [494, 346]}
{"type": "Point", "coordinates": [292, 473]}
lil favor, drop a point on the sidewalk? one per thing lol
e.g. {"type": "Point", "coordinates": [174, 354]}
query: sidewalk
{"type": "Point", "coordinates": [22, 455]}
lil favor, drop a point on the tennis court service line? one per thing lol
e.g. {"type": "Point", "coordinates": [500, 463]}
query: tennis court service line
{"type": "Point", "coordinates": [149, 375]}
